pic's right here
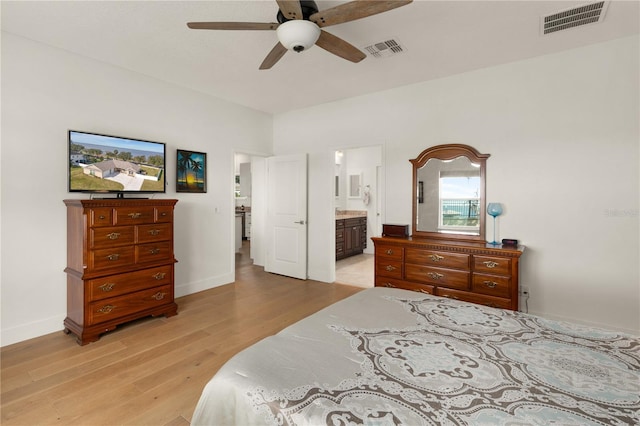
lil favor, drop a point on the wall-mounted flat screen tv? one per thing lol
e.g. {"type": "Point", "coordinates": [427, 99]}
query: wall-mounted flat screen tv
{"type": "Point", "coordinates": [112, 164]}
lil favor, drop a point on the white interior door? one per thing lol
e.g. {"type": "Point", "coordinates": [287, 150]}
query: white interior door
{"type": "Point", "coordinates": [286, 236]}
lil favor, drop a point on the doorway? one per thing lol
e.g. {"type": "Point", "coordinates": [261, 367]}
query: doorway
{"type": "Point", "coordinates": [358, 186]}
{"type": "Point", "coordinates": [262, 182]}
{"type": "Point", "coordinates": [248, 205]}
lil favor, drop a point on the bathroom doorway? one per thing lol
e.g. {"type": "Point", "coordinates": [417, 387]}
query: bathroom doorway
{"type": "Point", "coordinates": [358, 193]}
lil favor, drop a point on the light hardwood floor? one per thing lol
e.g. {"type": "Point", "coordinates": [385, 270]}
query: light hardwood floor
{"type": "Point", "coordinates": [151, 372]}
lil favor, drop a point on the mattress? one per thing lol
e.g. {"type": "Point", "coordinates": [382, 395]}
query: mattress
{"type": "Point", "coordinates": [395, 357]}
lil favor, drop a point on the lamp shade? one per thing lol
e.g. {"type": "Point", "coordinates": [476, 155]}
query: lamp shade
{"type": "Point", "coordinates": [298, 35]}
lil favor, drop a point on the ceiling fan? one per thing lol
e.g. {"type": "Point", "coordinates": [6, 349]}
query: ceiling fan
{"type": "Point", "coordinates": [300, 25]}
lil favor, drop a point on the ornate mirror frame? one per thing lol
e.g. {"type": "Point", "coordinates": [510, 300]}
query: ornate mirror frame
{"type": "Point", "coordinates": [449, 152]}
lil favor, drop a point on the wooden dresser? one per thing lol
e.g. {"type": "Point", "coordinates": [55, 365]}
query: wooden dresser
{"type": "Point", "coordinates": [120, 263]}
{"type": "Point", "coordinates": [475, 272]}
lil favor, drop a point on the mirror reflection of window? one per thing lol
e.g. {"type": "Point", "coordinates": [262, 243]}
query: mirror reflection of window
{"type": "Point", "coordinates": [459, 201]}
{"type": "Point", "coordinates": [451, 196]}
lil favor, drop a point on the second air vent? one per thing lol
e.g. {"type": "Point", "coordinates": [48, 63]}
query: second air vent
{"type": "Point", "coordinates": [576, 16]}
{"type": "Point", "coordinates": [384, 48]}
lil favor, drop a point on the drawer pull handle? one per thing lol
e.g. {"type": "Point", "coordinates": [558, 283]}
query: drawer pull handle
{"type": "Point", "coordinates": [490, 284]}
{"type": "Point", "coordinates": [390, 268]}
{"type": "Point", "coordinates": [107, 287]}
{"type": "Point", "coordinates": [159, 295]}
{"type": "Point", "coordinates": [490, 264]}
{"type": "Point", "coordinates": [154, 231]}
{"type": "Point", "coordinates": [434, 275]}
{"type": "Point", "coordinates": [114, 256]}
{"type": "Point", "coordinates": [134, 215]}
{"type": "Point", "coordinates": [106, 309]}
{"type": "Point", "coordinates": [158, 276]}
{"type": "Point", "coordinates": [389, 285]}
{"type": "Point", "coordinates": [154, 251]}
{"type": "Point", "coordinates": [435, 257]}
{"type": "Point", "coordinates": [102, 217]}
{"type": "Point", "coordinates": [389, 251]}
{"type": "Point", "coordinates": [113, 235]}
{"type": "Point", "coordinates": [163, 214]}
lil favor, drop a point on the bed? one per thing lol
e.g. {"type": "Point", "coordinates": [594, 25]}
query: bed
{"type": "Point", "coordinates": [394, 357]}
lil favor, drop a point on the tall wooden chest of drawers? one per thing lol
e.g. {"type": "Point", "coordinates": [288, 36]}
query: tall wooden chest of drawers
{"type": "Point", "coordinates": [474, 272]}
{"type": "Point", "coordinates": [120, 263]}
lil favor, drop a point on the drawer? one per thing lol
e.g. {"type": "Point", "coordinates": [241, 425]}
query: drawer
{"type": "Point", "coordinates": [493, 285]}
{"type": "Point", "coordinates": [134, 215]}
{"type": "Point", "coordinates": [120, 306]}
{"type": "Point", "coordinates": [116, 285]}
{"type": "Point", "coordinates": [389, 268]}
{"type": "Point", "coordinates": [438, 276]}
{"type": "Point", "coordinates": [391, 283]}
{"type": "Point", "coordinates": [156, 232]}
{"type": "Point", "coordinates": [111, 236]}
{"type": "Point", "coordinates": [358, 221]}
{"type": "Point", "coordinates": [340, 223]}
{"type": "Point", "coordinates": [440, 259]}
{"type": "Point", "coordinates": [492, 265]}
{"type": "Point", "coordinates": [111, 258]}
{"type": "Point", "coordinates": [154, 252]}
{"type": "Point", "coordinates": [389, 252]}
{"type": "Point", "coordinates": [101, 217]}
{"type": "Point", "coordinates": [164, 214]}
{"type": "Point", "coordinates": [480, 299]}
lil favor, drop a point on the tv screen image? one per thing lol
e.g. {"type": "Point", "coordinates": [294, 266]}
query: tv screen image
{"type": "Point", "coordinates": [103, 163]}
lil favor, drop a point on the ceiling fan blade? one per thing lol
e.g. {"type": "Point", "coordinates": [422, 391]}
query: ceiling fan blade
{"type": "Point", "coordinates": [339, 47]}
{"type": "Point", "coordinates": [290, 8]}
{"type": "Point", "coordinates": [274, 56]}
{"type": "Point", "coordinates": [232, 25]}
{"type": "Point", "coordinates": [353, 10]}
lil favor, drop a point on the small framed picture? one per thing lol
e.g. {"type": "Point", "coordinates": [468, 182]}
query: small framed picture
{"type": "Point", "coordinates": [191, 171]}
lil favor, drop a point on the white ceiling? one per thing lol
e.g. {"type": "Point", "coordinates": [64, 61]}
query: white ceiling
{"type": "Point", "coordinates": [441, 38]}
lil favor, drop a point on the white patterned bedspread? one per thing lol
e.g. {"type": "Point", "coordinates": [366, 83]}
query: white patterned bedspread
{"type": "Point", "coordinates": [395, 357]}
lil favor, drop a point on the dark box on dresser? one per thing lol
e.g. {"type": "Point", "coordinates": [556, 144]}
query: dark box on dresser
{"type": "Point", "coordinates": [390, 230]}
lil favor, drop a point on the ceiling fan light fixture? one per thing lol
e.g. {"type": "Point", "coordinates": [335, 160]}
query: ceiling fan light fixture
{"type": "Point", "coordinates": [298, 35]}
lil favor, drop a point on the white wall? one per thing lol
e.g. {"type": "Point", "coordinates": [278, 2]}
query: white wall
{"type": "Point", "coordinates": [45, 92]}
{"type": "Point", "coordinates": [562, 131]}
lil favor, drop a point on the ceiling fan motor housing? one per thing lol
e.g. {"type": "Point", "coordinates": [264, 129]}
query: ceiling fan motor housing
{"type": "Point", "coordinates": [298, 35]}
{"type": "Point", "coordinates": [309, 7]}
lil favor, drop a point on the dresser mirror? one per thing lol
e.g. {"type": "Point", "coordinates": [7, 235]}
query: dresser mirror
{"type": "Point", "coordinates": [449, 193]}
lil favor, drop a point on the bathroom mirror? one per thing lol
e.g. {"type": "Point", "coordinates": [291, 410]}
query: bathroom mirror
{"type": "Point", "coordinates": [449, 193]}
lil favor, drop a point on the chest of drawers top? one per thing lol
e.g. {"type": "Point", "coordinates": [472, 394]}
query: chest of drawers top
{"type": "Point", "coordinates": [396, 245]}
{"type": "Point", "coordinates": [112, 212]}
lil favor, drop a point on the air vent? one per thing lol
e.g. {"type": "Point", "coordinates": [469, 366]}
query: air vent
{"type": "Point", "coordinates": [384, 49]}
{"type": "Point", "coordinates": [575, 17]}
